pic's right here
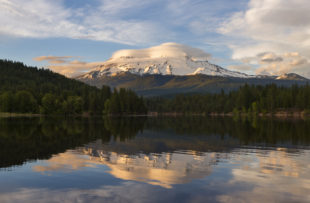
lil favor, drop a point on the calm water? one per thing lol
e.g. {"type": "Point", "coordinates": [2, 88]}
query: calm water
{"type": "Point", "coordinates": [190, 159]}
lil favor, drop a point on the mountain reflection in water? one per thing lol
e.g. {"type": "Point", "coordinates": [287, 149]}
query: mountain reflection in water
{"type": "Point", "coordinates": [215, 159]}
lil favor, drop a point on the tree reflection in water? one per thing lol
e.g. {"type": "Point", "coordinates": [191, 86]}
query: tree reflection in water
{"type": "Point", "coordinates": [24, 139]}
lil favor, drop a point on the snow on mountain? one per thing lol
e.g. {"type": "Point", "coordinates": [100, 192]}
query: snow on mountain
{"type": "Point", "coordinates": [166, 59]}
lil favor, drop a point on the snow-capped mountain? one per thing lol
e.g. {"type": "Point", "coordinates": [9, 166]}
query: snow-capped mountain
{"type": "Point", "coordinates": [172, 68]}
{"type": "Point", "coordinates": [165, 59]}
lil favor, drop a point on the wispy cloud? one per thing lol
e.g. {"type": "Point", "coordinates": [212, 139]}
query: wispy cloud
{"type": "Point", "coordinates": [133, 22]}
{"type": "Point", "coordinates": [67, 65]}
{"type": "Point", "coordinates": [57, 61]}
{"type": "Point", "coordinates": [74, 68]}
{"type": "Point", "coordinates": [44, 18]}
{"type": "Point", "coordinates": [52, 58]}
{"type": "Point", "coordinates": [76, 62]}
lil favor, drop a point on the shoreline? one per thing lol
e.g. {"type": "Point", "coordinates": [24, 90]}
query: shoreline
{"type": "Point", "coordinates": [15, 115]}
{"type": "Point", "coordinates": [279, 114]}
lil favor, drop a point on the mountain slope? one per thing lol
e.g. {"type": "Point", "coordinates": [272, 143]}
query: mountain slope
{"type": "Point", "coordinates": [160, 85]}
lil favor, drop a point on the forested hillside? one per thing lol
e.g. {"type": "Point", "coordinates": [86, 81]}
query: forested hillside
{"type": "Point", "coordinates": [31, 90]}
{"type": "Point", "coordinates": [247, 99]}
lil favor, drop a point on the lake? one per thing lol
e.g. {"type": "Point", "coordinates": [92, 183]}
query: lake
{"type": "Point", "coordinates": [171, 159]}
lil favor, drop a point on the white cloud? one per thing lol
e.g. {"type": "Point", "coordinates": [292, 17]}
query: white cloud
{"type": "Point", "coordinates": [134, 22]}
{"type": "Point", "coordinates": [273, 26]}
{"type": "Point", "coordinates": [34, 18]}
{"type": "Point", "coordinates": [265, 26]}
{"type": "Point", "coordinates": [270, 63]}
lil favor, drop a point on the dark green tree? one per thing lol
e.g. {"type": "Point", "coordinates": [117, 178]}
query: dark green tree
{"type": "Point", "coordinates": [25, 102]}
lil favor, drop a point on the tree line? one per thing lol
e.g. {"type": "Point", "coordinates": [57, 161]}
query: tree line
{"type": "Point", "coordinates": [26, 89]}
{"type": "Point", "coordinates": [247, 99]}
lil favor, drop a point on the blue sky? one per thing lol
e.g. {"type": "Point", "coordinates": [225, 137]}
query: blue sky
{"type": "Point", "coordinates": [252, 36]}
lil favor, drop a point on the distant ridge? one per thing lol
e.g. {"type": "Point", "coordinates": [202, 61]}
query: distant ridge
{"type": "Point", "coordinates": [291, 76]}
{"type": "Point", "coordinates": [160, 85]}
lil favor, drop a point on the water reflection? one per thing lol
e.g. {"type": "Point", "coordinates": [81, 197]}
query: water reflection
{"type": "Point", "coordinates": [138, 159]}
{"type": "Point", "coordinates": [272, 176]}
{"type": "Point", "coordinates": [163, 169]}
